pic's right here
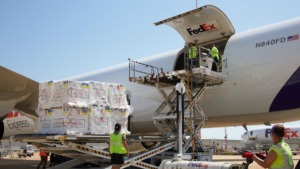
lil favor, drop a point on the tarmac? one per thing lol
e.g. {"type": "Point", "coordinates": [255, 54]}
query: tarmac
{"type": "Point", "coordinates": [32, 162]}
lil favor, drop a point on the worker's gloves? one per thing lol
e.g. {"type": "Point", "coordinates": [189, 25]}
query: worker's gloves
{"type": "Point", "coordinates": [260, 155]}
{"type": "Point", "coordinates": [247, 155]}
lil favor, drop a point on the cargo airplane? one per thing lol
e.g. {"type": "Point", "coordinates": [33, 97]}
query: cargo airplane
{"type": "Point", "coordinates": [263, 135]}
{"type": "Point", "coordinates": [260, 66]}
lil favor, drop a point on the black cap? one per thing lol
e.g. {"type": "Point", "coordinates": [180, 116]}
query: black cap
{"type": "Point", "coordinates": [117, 127]}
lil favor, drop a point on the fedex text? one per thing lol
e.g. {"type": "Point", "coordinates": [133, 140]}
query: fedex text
{"type": "Point", "coordinates": [199, 165]}
{"type": "Point", "coordinates": [202, 28]}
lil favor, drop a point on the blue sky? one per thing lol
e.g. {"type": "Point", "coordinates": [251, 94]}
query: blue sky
{"type": "Point", "coordinates": [51, 40]}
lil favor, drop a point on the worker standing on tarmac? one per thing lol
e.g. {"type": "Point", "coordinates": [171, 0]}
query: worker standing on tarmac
{"type": "Point", "coordinates": [192, 52]}
{"type": "Point", "coordinates": [280, 155]}
{"type": "Point", "coordinates": [118, 147]}
{"type": "Point", "coordinates": [44, 158]}
{"type": "Point", "coordinates": [215, 55]}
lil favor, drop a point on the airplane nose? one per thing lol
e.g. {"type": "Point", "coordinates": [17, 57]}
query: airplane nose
{"type": "Point", "coordinates": [244, 137]}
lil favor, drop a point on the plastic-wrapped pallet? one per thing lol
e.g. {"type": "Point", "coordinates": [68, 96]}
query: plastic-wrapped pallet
{"type": "Point", "coordinates": [74, 119]}
{"type": "Point", "coordinates": [100, 120]}
{"type": "Point", "coordinates": [117, 96]}
{"type": "Point", "coordinates": [44, 122]}
{"type": "Point", "coordinates": [103, 119]}
{"type": "Point", "coordinates": [98, 93]}
{"type": "Point", "coordinates": [66, 120]}
{"type": "Point", "coordinates": [45, 95]}
{"type": "Point", "coordinates": [120, 116]}
{"type": "Point", "coordinates": [70, 91]}
{"type": "Point", "coordinates": [73, 107]}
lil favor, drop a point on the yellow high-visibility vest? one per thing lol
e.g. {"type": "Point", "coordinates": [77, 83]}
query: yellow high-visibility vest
{"type": "Point", "coordinates": [116, 144]}
{"type": "Point", "coordinates": [284, 158]}
{"type": "Point", "coordinates": [215, 53]}
{"type": "Point", "coordinates": [192, 52]}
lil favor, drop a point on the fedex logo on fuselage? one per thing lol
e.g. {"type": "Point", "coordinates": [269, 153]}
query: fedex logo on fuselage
{"type": "Point", "coordinates": [204, 27]}
{"type": "Point", "coordinates": [199, 165]}
{"type": "Point", "coordinates": [288, 133]}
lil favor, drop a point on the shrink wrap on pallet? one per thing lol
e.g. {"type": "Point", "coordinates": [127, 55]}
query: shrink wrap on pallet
{"type": "Point", "coordinates": [98, 93]}
{"type": "Point", "coordinates": [44, 122]}
{"type": "Point", "coordinates": [72, 107]}
{"type": "Point", "coordinates": [121, 116]}
{"type": "Point", "coordinates": [103, 119]}
{"type": "Point", "coordinates": [70, 92]}
{"type": "Point", "coordinates": [100, 120]}
{"type": "Point", "coordinates": [45, 95]}
{"type": "Point", "coordinates": [67, 120]}
{"type": "Point", "coordinates": [117, 96]}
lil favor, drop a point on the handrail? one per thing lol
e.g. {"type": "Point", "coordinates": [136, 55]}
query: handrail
{"type": "Point", "coordinates": [134, 70]}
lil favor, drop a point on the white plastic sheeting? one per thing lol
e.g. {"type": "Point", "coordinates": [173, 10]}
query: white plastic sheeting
{"type": "Point", "coordinates": [73, 107]}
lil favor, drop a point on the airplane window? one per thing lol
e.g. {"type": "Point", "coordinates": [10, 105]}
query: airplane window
{"type": "Point", "coordinates": [251, 133]}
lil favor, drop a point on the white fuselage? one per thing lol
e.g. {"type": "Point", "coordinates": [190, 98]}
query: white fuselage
{"type": "Point", "coordinates": [263, 135]}
{"type": "Point", "coordinates": [257, 65]}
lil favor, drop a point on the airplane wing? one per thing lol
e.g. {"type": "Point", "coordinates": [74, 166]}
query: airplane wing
{"type": "Point", "coordinates": [17, 91]}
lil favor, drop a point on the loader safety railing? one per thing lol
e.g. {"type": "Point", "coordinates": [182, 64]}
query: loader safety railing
{"type": "Point", "coordinates": [138, 69]}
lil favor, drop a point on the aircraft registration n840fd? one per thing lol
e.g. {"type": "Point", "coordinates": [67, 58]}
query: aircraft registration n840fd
{"type": "Point", "coordinates": [260, 66]}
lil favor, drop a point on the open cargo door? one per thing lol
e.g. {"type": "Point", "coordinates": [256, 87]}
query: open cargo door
{"type": "Point", "coordinates": [202, 25]}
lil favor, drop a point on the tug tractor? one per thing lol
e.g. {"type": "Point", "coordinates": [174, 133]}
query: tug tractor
{"type": "Point", "coordinates": [26, 151]}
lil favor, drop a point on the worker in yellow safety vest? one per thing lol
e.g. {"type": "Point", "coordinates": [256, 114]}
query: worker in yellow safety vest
{"type": "Point", "coordinates": [118, 147]}
{"type": "Point", "coordinates": [215, 55]}
{"type": "Point", "coordinates": [192, 53]}
{"type": "Point", "coordinates": [279, 155]}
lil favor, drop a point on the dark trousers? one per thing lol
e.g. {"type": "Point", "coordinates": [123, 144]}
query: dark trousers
{"type": "Point", "coordinates": [192, 63]}
{"type": "Point", "coordinates": [43, 162]}
{"type": "Point", "coordinates": [117, 159]}
{"type": "Point", "coordinates": [214, 65]}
